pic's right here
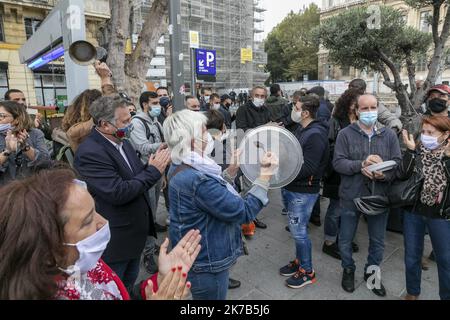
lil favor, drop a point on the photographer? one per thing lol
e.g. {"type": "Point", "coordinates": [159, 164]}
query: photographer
{"type": "Point", "coordinates": [165, 102]}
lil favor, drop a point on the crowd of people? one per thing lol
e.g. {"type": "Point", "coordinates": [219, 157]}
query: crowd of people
{"type": "Point", "coordinates": [79, 219]}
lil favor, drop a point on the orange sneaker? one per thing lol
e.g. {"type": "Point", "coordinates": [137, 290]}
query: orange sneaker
{"type": "Point", "coordinates": [248, 229]}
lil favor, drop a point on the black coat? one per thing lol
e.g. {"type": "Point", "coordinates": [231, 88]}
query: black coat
{"type": "Point", "coordinates": [249, 117]}
{"type": "Point", "coordinates": [121, 195]}
{"type": "Point", "coordinates": [332, 179]}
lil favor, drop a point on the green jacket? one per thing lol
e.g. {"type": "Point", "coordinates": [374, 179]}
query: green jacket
{"type": "Point", "coordinates": [275, 106]}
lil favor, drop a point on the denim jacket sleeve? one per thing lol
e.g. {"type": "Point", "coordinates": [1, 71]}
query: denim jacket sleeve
{"type": "Point", "coordinates": [213, 197]}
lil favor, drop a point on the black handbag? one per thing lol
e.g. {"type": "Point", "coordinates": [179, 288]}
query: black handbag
{"type": "Point", "coordinates": [403, 193]}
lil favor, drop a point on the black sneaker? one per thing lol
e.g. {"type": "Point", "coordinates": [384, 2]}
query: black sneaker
{"type": "Point", "coordinates": [259, 224]}
{"type": "Point", "coordinates": [290, 269]}
{"type": "Point", "coordinates": [355, 247]}
{"type": "Point", "coordinates": [300, 279]}
{"type": "Point", "coordinates": [284, 212]}
{"type": "Point", "coordinates": [159, 228]}
{"type": "Point", "coordinates": [348, 280]}
{"type": "Point", "coordinates": [233, 284]}
{"type": "Point", "coordinates": [287, 229]}
{"type": "Point", "coordinates": [380, 291]}
{"type": "Point", "coordinates": [315, 220]}
{"type": "Point", "coordinates": [332, 250]}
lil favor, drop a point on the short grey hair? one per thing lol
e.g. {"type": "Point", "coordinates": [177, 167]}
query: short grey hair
{"type": "Point", "coordinates": [180, 129]}
{"type": "Point", "coordinates": [259, 87]}
{"type": "Point", "coordinates": [104, 108]}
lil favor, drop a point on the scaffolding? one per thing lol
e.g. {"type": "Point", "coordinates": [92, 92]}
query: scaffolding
{"type": "Point", "coordinates": [226, 26]}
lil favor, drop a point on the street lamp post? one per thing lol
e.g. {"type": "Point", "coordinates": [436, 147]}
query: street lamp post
{"type": "Point", "coordinates": [176, 53]}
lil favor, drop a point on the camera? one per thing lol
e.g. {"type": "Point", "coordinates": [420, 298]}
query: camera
{"type": "Point", "coordinates": [165, 102]}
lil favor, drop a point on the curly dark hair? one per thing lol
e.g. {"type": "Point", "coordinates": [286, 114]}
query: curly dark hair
{"type": "Point", "coordinates": [32, 234]}
{"type": "Point", "coordinates": [342, 106]}
{"type": "Point", "coordinates": [78, 111]}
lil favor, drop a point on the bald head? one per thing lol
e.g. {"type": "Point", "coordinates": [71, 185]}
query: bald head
{"type": "Point", "coordinates": [367, 102]}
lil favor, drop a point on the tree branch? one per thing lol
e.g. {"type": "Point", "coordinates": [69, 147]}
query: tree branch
{"type": "Point", "coordinates": [119, 25]}
{"type": "Point", "coordinates": [156, 23]}
{"type": "Point", "coordinates": [435, 22]}
{"type": "Point", "coordinates": [411, 68]}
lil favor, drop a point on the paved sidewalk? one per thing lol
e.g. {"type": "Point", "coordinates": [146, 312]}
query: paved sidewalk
{"type": "Point", "coordinates": [274, 247]}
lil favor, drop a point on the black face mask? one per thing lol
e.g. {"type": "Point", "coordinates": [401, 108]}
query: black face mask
{"type": "Point", "coordinates": [227, 105]}
{"type": "Point", "coordinates": [437, 105]}
{"type": "Point", "coordinates": [133, 113]}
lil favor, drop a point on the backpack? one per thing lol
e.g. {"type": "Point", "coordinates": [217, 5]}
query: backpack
{"type": "Point", "coordinates": [66, 154]}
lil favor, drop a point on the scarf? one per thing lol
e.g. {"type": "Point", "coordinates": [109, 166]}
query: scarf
{"type": "Point", "coordinates": [208, 166]}
{"type": "Point", "coordinates": [434, 175]}
{"type": "Point", "coordinates": [100, 283]}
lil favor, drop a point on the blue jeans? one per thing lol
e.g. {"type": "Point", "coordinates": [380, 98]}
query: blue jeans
{"type": "Point", "coordinates": [300, 206]}
{"type": "Point", "coordinates": [414, 227]}
{"type": "Point", "coordinates": [127, 271]}
{"type": "Point", "coordinates": [209, 286]}
{"type": "Point", "coordinates": [377, 230]}
{"type": "Point", "coordinates": [331, 224]}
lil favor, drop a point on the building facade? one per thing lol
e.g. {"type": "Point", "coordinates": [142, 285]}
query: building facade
{"type": "Point", "coordinates": [19, 19]}
{"type": "Point", "coordinates": [416, 18]}
{"type": "Point", "coordinates": [226, 26]}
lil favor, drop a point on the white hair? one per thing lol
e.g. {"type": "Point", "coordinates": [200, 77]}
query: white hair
{"type": "Point", "coordinates": [180, 129]}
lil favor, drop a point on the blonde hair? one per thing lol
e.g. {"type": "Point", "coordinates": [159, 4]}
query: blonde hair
{"type": "Point", "coordinates": [180, 129]}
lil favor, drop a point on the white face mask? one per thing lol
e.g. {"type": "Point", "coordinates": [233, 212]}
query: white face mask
{"type": "Point", "coordinates": [91, 249]}
{"type": "Point", "coordinates": [216, 107]}
{"type": "Point", "coordinates": [296, 116]}
{"type": "Point", "coordinates": [210, 146]}
{"type": "Point", "coordinates": [206, 99]}
{"type": "Point", "coordinates": [430, 142]}
{"type": "Point", "coordinates": [258, 102]}
{"type": "Point", "coordinates": [225, 136]}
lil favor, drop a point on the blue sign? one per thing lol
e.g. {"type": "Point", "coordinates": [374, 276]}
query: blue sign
{"type": "Point", "coordinates": [206, 62]}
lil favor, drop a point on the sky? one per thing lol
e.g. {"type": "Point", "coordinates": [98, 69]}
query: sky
{"type": "Point", "coordinates": [277, 10]}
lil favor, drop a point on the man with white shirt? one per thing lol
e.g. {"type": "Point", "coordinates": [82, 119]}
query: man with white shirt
{"type": "Point", "coordinates": [119, 183]}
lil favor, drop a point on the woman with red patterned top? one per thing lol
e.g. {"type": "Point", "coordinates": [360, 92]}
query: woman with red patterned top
{"type": "Point", "coordinates": [51, 241]}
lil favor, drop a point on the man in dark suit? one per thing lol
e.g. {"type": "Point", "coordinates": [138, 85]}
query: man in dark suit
{"type": "Point", "coordinates": [119, 183]}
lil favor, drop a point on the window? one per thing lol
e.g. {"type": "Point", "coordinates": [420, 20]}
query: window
{"type": "Point", "coordinates": [31, 25]}
{"type": "Point", "coordinates": [2, 33]}
{"type": "Point", "coordinates": [425, 21]}
{"type": "Point", "coordinates": [421, 63]}
{"type": "Point", "coordinates": [4, 82]}
{"type": "Point", "coordinates": [48, 87]}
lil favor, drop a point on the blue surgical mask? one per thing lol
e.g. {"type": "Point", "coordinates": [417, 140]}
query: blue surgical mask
{"type": "Point", "coordinates": [124, 133]}
{"type": "Point", "coordinates": [430, 142]}
{"type": "Point", "coordinates": [155, 112]}
{"type": "Point", "coordinates": [368, 118]}
{"type": "Point", "coordinates": [5, 127]}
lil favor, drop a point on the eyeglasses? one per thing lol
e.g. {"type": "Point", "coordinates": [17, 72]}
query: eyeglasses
{"type": "Point", "coordinates": [3, 116]}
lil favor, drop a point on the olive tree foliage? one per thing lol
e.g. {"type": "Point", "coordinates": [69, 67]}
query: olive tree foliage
{"type": "Point", "coordinates": [377, 38]}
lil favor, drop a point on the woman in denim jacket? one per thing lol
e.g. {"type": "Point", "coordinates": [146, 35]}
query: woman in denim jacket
{"type": "Point", "coordinates": [200, 198]}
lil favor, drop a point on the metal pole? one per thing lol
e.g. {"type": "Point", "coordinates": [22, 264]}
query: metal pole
{"type": "Point", "coordinates": [193, 78]}
{"type": "Point", "coordinates": [176, 53]}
